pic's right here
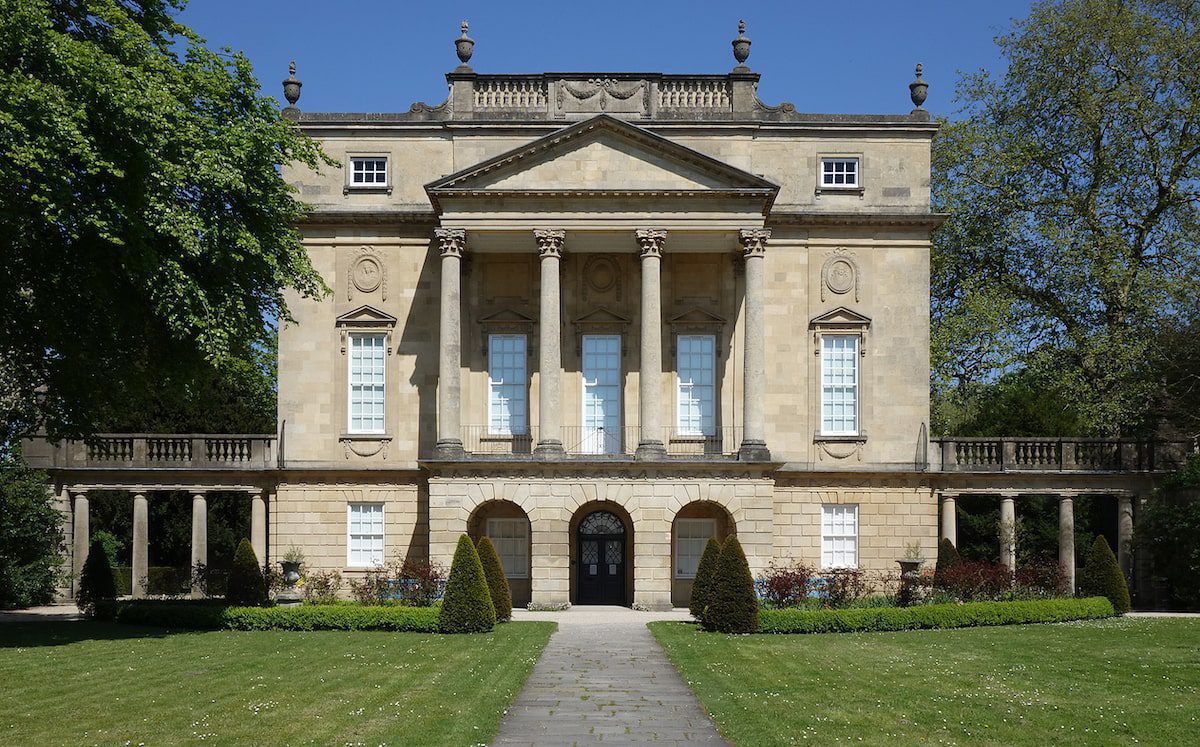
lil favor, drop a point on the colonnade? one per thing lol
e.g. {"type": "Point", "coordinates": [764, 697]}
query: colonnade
{"type": "Point", "coordinates": [550, 243]}
{"type": "Point", "coordinates": [1066, 529]}
{"type": "Point", "coordinates": [81, 532]}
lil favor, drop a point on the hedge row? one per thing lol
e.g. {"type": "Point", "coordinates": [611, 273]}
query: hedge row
{"type": "Point", "coordinates": [932, 616]}
{"type": "Point", "coordinates": [211, 616]}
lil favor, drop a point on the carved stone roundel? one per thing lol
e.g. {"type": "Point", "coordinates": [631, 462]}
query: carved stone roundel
{"type": "Point", "coordinates": [839, 276]}
{"type": "Point", "coordinates": [367, 274]}
{"type": "Point", "coordinates": [601, 274]}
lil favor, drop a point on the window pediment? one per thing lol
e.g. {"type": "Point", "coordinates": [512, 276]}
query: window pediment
{"type": "Point", "coordinates": [365, 319]}
{"type": "Point", "coordinates": [506, 322]}
{"type": "Point", "coordinates": [841, 320]}
{"type": "Point", "coordinates": [696, 321]}
{"type": "Point", "coordinates": [601, 321]}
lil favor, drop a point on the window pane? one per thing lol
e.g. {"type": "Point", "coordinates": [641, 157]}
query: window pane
{"type": "Point", "coordinates": [511, 539]}
{"type": "Point", "coordinates": [691, 536]}
{"type": "Point", "coordinates": [839, 536]}
{"type": "Point", "coordinates": [364, 534]}
{"type": "Point", "coordinates": [839, 383]}
{"type": "Point", "coordinates": [696, 388]}
{"type": "Point", "coordinates": [506, 384]}
{"type": "Point", "coordinates": [366, 392]}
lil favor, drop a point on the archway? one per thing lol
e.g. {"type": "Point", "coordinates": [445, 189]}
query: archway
{"type": "Point", "coordinates": [508, 527]}
{"type": "Point", "coordinates": [690, 530]}
{"type": "Point", "coordinates": [601, 554]}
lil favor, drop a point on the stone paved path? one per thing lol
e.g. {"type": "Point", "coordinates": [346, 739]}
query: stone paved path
{"type": "Point", "coordinates": [603, 679]}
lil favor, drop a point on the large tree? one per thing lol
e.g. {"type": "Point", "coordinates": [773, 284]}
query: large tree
{"type": "Point", "coordinates": [1073, 182]}
{"type": "Point", "coordinates": [142, 216]}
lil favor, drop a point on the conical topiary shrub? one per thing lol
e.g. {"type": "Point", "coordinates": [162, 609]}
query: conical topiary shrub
{"type": "Point", "coordinates": [247, 587]}
{"type": "Point", "coordinates": [467, 603]}
{"type": "Point", "coordinates": [947, 558]}
{"type": "Point", "coordinates": [1102, 577]}
{"type": "Point", "coordinates": [497, 582]}
{"type": "Point", "coordinates": [97, 594]}
{"type": "Point", "coordinates": [732, 604]}
{"type": "Point", "coordinates": [702, 584]}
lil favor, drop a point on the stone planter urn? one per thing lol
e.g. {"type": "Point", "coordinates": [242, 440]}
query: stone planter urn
{"type": "Point", "coordinates": [909, 568]}
{"type": "Point", "coordinates": [290, 596]}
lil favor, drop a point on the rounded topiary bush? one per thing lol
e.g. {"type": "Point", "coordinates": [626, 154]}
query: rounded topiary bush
{"type": "Point", "coordinates": [947, 558]}
{"type": "Point", "coordinates": [247, 587]}
{"type": "Point", "coordinates": [702, 583]}
{"type": "Point", "coordinates": [97, 594]}
{"type": "Point", "coordinates": [497, 582]}
{"type": "Point", "coordinates": [732, 604]}
{"type": "Point", "coordinates": [1102, 577]}
{"type": "Point", "coordinates": [467, 604]}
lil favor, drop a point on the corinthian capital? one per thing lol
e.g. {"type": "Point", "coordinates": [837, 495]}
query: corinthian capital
{"type": "Point", "coordinates": [652, 241]}
{"type": "Point", "coordinates": [754, 241]}
{"type": "Point", "coordinates": [452, 241]}
{"type": "Point", "coordinates": [549, 241]}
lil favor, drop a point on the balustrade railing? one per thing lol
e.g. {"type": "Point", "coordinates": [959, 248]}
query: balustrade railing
{"type": "Point", "coordinates": [153, 450]}
{"type": "Point", "coordinates": [1057, 454]}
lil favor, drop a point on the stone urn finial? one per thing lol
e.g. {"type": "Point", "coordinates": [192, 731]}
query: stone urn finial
{"type": "Point", "coordinates": [291, 88]}
{"type": "Point", "coordinates": [918, 89]}
{"type": "Point", "coordinates": [464, 46]}
{"type": "Point", "coordinates": [741, 47]}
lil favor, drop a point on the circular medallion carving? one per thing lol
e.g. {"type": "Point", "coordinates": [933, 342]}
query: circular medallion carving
{"type": "Point", "coordinates": [601, 274]}
{"type": "Point", "coordinates": [839, 276]}
{"type": "Point", "coordinates": [367, 274]}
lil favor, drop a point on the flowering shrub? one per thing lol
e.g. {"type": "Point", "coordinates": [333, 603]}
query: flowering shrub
{"type": "Point", "coordinates": [322, 588]}
{"type": "Point", "coordinates": [975, 581]}
{"type": "Point", "coordinates": [784, 585]}
{"type": "Point", "coordinates": [372, 588]}
{"type": "Point", "coordinates": [1041, 580]}
{"type": "Point", "coordinates": [844, 586]}
{"type": "Point", "coordinates": [419, 583]}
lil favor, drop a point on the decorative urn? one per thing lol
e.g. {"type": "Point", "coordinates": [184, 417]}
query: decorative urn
{"type": "Point", "coordinates": [464, 45]}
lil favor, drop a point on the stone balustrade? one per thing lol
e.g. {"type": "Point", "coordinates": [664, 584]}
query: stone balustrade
{"type": "Point", "coordinates": [1057, 455]}
{"type": "Point", "coordinates": [155, 450]}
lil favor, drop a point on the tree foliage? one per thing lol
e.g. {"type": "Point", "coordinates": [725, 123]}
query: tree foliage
{"type": "Point", "coordinates": [142, 215]}
{"type": "Point", "coordinates": [31, 538]}
{"type": "Point", "coordinates": [467, 604]}
{"type": "Point", "coordinates": [497, 582]}
{"type": "Point", "coordinates": [1168, 532]}
{"type": "Point", "coordinates": [247, 586]}
{"type": "Point", "coordinates": [1073, 186]}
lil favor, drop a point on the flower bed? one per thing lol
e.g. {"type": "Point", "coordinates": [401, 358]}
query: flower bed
{"type": "Point", "coordinates": [966, 615]}
{"type": "Point", "coordinates": [199, 615]}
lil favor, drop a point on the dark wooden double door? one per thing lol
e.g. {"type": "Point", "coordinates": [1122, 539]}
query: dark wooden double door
{"type": "Point", "coordinates": [601, 549]}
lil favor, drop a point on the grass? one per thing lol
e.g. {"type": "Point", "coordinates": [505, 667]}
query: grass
{"type": "Point", "coordinates": [1122, 680]}
{"type": "Point", "coordinates": [76, 683]}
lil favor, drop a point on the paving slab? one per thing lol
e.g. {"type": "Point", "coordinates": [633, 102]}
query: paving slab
{"type": "Point", "coordinates": [603, 679]}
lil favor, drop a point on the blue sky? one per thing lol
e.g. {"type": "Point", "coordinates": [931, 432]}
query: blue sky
{"type": "Point", "coordinates": [836, 57]}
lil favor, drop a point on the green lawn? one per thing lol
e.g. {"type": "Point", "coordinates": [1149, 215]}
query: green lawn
{"type": "Point", "coordinates": [1122, 680]}
{"type": "Point", "coordinates": [77, 683]}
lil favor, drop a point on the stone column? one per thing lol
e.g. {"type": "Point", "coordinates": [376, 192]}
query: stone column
{"type": "Point", "coordinates": [1125, 535]}
{"type": "Point", "coordinates": [1066, 539]}
{"type": "Point", "coordinates": [81, 531]}
{"type": "Point", "coordinates": [1143, 592]}
{"type": "Point", "coordinates": [550, 246]}
{"type": "Point", "coordinates": [1008, 532]}
{"type": "Point", "coordinates": [452, 243]}
{"type": "Point", "coordinates": [949, 519]}
{"type": "Point", "coordinates": [650, 445]}
{"type": "Point", "coordinates": [258, 525]}
{"type": "Point", "coordinates": [199, 537]}
{"type": "Point", "coordinates": [141, 545]}
{"type": "Point", "coordinates": [754, 443]}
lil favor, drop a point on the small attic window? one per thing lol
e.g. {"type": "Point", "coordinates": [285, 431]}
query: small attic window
{"type": "Point", "coordinates": [839, 173]}
{"type": "Point", "coordinates": [369, 171]}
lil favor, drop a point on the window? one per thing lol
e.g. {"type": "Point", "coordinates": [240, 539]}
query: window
{"type": "Point", "coordinates": [839, 172]}
{"type": "Point", "coordinates": [366, 383]}
{"type": "Point", "coordinates": [506, 385]}
{"type": "Point", "coordinates": [364, 535]}
{"type": "Point", "coordinates": [839, 385]}
{"type": "Point", "coordinates": [601, 394]}
{"type": "Point", "coordinates": [695, 367]}
{"type": "Point", "coordinates": [511, 538]}
{"type": "Point", "coordinates": [839, 536]}
{"type": "Point", "coordinates": [368, 172]}
{"type": "Point", "coordinates": [691, 536]}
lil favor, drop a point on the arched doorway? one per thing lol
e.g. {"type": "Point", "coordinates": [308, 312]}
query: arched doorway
{"type": "Point", "coordinates": [602, 559]}
{"type": "Point", "coordinates": [690, 530]}
{"type": "Point", "coordinates": [507, 525]}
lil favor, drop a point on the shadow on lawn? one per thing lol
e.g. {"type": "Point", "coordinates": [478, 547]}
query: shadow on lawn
{"type": "Point", "coordinates": [62, 632]}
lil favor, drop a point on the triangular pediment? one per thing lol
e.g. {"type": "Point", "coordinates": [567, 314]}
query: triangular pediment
{"type": "Point", "coordinates": [697, 315]}
{"type": "Point", "coordinates": [601, 155]}
{"type": "Point", "coordinates": [367, 316]}
{"type": "Point", "coordinates": [601, 315]}
{"type": "Point", "coordinates": [506, 316]}
{"type": "Point", "coordinates": [841, 316]}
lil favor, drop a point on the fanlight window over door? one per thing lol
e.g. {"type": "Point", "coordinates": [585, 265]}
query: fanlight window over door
{"type": "Point", "coordinates": [601, 522]}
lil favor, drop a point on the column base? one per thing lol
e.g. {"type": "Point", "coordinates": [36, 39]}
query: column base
{"type": "Point", "coordinates": [549, 449]}
{"type": "Point", "coordinates": [650, 451]}
{"type": "Point", "coordinates": [754, 451]}
{"type": "Point", "coordinates": [449, 448]}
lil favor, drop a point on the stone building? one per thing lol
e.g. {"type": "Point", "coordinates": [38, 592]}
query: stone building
{"type": "Point", "coordinates": [599, 318]}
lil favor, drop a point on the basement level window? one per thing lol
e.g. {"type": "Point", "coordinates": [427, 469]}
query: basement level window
{"type": "Point", "coordinates": [839, 173]}
{"type": "Point", "coordinates": [368, 171]}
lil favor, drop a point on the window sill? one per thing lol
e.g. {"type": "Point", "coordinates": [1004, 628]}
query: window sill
{"type": "Point", "coordinates": [843, 438]}
{"type": "Point", "coordinates": [379, 189]}
{"type": "Point", "coordinates": [840, 191]}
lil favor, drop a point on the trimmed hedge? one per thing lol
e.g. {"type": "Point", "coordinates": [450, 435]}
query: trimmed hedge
{"type": "Point", "coordinates": [97, 592]}
{"type": "Point", "coordinates": [967, 615]}
{"type": "Point", "coordinates": [497, 582]}
{"type": "Point", "coordinates": [732, 602]}
{"type": "Point", "coordinates": [702, 583]}
{"type": "Point", "coordinates": [1102, 577]}
{"type": "Point", "coordinates": [213, 616]}
{"type": "Point", "coordinates": [246, 583]}
{"type": "Point", "coordinates": [947, 559]}
{"type": "Point", "coordinates": [467, 604]}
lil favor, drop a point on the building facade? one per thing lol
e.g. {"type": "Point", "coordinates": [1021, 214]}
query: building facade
{"type": "Point", "coordinates": [600, 318]}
